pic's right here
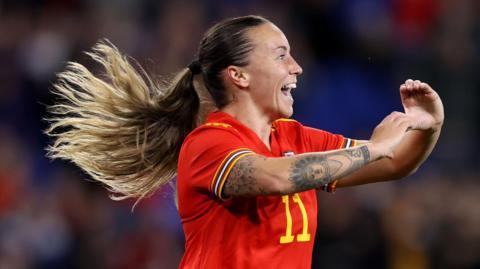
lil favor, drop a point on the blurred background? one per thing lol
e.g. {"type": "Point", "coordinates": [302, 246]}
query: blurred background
{"type": "Point", "coordinates": [354, 53]}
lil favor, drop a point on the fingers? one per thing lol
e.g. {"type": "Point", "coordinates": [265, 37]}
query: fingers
{"type": "Point", "coordinates": [394, 116]}
{"type": "Point", "coordinates": [398, 118]}
{"type": "Point", "coordinates": [411, 84]}
{"type": "Point", "coordinates": [390, 132]}
{"type": "Point", "coordinates": [414, 86]}
{"type": "Point", "coordinates": [405, 123]}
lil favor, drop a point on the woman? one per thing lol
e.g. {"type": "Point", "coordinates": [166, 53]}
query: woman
{"type": "Point", "coordinates": [247, 174]}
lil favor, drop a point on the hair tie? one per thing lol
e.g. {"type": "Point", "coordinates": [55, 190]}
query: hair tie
{"type": "Point", "coordinates": [195, 67]}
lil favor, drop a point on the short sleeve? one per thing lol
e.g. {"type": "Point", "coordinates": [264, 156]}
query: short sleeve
{"type": "Point", "coordinates": [207, 157]}
{"type": "Point", "coordinates": [319, 140]}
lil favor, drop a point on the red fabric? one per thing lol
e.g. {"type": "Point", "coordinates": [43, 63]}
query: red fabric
{"type": "Point", "coordinates": [244, 232]}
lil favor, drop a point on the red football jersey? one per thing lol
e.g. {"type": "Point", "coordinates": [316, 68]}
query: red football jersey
{"type": "Point", "coordinates": [245, 232]}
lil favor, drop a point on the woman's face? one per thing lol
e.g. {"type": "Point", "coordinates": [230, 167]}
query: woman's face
{"type": "Point", "coordinates": [272, 71]}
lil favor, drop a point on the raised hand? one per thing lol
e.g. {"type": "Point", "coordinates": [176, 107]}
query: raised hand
{"type": "Point", "coordinates": [422, 105]}
{"type": "Point", "coordinates": [388, 134]}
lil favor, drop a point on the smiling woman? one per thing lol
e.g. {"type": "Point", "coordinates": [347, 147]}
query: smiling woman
{"type": "Point", "coordinates": [275, 74]}
{"type": "Point", "coordinates": [246, 174]}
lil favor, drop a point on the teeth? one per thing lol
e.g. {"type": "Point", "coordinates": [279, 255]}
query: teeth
{"type": "Point", "coordinates": [289, 86]}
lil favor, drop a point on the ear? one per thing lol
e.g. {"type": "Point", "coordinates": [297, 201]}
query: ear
{"type": "Point", "coordinates": [238, 76]}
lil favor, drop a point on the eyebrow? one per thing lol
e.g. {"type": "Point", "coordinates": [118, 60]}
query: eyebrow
{"type": "Point", "coordinates": [281, 47]}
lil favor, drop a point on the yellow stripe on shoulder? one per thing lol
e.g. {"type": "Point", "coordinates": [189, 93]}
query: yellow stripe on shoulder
{"type": "Point", "coordinates": [218, 124]}
{"type": "Point", "coordinates": [285, 120]}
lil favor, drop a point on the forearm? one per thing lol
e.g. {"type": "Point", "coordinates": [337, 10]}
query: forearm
{"type": "Point", "coordinates": [408, 156]}
{"type": "Point", "coordinates": [414, 150]}
{"type": "Point", "coordinates": [313, 170]}
{"type": "Point", "coordinates": [255, 175]}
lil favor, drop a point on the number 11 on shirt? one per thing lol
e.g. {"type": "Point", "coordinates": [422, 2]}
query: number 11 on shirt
{"type": "Point", "coordinates": [288, 237]}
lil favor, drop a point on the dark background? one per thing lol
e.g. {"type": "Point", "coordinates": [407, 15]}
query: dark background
{"type": "Point", "coordinates": [354, 53]}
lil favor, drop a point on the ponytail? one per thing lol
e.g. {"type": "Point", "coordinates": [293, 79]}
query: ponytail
{"type": "Point", "coordinates": [124, 131]}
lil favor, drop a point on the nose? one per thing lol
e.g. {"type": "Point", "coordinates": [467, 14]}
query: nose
{"type": "Point", "coordinates": [295, 68]}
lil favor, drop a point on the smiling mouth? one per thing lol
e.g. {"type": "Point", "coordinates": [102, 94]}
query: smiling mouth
{"type": "Point", "coordinates": [287, 88]}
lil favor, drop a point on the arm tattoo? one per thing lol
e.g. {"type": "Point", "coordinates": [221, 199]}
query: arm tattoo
{"type": "Point", "coordinates": [241, 180]}
{"type": "Point", "coordinates": [313, 170]}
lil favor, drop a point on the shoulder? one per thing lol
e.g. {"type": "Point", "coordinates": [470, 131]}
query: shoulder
{"type": "Point", "coordinates": [288, 127]}
{"type": "Point", "coordinates": [212, 134]}
{"type": "Point", "coordinates": [287, 124]}
{"type": "Point", "coordinates": [285, 121]}
{"type": "Point", "coordinates": [211, 130]}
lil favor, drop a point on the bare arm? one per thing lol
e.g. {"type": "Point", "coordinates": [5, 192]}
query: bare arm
{"type": "Point", "coordinates": [423, 105]}
{"type": "Point", "coordinates": [257, 175]}
{"type": "Point", "coordinates": [407, 157]}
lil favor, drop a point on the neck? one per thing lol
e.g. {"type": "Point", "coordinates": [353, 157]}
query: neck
{"type": "Point", "coordinates": [251, 117]}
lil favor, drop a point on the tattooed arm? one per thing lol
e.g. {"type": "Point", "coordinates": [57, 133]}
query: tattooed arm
{"type": "Point", "coordinates": [258, 175]}
{"type": "Point", "coordinates": [424, 106]}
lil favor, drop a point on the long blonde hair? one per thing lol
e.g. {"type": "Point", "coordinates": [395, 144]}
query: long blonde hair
{"type": "Point", "coordinates": [126, 131]}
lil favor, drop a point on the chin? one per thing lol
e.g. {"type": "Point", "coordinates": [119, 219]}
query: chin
{"type": "Point", "coordinates": [281, 113]}
{"type": "Point", "coordinates": [286, 113]}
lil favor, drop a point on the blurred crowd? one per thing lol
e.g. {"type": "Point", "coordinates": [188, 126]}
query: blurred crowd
{"type": "Point", "coordinates": [354, 53]}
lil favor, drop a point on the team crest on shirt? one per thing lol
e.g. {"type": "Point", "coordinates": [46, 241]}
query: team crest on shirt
{"type": "Point", "coordinates": [288, 153]}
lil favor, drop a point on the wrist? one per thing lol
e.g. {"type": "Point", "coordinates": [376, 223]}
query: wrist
{"type": "Point", "coordinates": [437, 126]}
{"type": "Point", "coordinates": [375, 151]}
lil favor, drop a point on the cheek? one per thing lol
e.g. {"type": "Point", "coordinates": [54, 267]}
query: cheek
{"type": "Point", "coordinates": [265, 85]}
{"type": "Point", "coordinates": [272, 91]}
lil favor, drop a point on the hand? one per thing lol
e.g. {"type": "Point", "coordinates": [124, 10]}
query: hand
{"type": "Point", "coordinates": [422, 105]}
{"type": "Point", "coordinates": [388, 134]}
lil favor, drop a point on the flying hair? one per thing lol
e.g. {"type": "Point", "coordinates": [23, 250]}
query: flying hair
{"type": "Point", "coordinates": [123, 129]}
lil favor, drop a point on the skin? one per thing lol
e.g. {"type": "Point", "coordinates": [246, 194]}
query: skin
{"type": "Point", "coordinates": [256, 96]}
{"type": "Point", "coordinates": [424, 108]}
{"type": "Point", "coordinates": [398, 145]}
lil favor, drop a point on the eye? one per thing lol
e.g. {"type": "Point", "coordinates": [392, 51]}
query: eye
{"type": "Point", "coordinates": [282, 57]}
